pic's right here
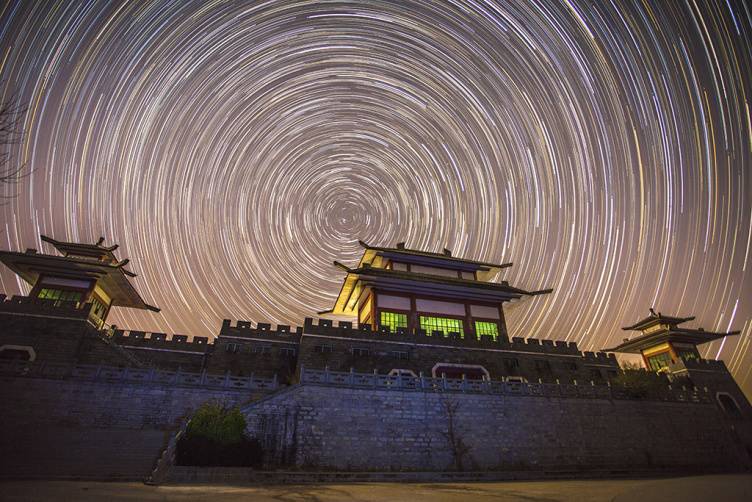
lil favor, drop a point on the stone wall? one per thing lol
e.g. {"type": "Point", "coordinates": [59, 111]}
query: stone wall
{"type": "Point", "coordinates": [337, 427]}
{"type": "Point", "coordinates": [386, 353]}
{"type": "Point", "coordinates": [95, 429]}
{"type": "Point", "coordinates": [158, 350]}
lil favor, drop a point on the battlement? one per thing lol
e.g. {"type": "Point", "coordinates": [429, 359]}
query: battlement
{"type": "Point", "coordinates": [141, 339]}
{"type": "Point", "coordinates": [698, 364]}
{"type": "Point", "coordinates": [42, 307]}
{"type": "Point", "coordinates": [245, 329]}
{"type": "Point", "coordinates": [347, 329]}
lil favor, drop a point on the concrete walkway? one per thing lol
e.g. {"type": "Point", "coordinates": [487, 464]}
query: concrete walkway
{"type": "Point", "coordinates": [718, 488]}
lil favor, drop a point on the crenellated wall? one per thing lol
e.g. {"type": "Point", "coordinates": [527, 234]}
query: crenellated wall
{"type": "Point", "coordinates": [51, 308]}
{"type": "Point", "coordinates": [160, 350]}
{"type": "Point", "coordinates": [343, 347]}
{"type": "Point", "coordinates": [261, 350]}
{"type": "Point", "coordinates": [326, 327]}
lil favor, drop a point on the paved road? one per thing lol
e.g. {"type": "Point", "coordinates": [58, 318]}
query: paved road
{"type": "Point", "coordinates": [701, 488]}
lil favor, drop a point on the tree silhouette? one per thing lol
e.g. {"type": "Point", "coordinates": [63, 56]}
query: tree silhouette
{"type": "Point", "coordinates": [11, 114]}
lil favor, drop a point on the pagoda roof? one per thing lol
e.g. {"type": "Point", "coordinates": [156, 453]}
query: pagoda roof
{"type": "Point", "coordinates": [96, 250]}
{"type": "Point", "coordinates": [654, 319]}
{"type": "Point", "coordinates": [109, 273]}
{"type": "Point", "coordinates": [681, 335]}
{"type": "Point", "coordinates": [444, 259]}
{"type": "Point", "coordinates": [412, 282]}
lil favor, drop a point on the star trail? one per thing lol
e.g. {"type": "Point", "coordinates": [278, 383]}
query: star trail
{"type": "Point", "coordinates": [234, 149]}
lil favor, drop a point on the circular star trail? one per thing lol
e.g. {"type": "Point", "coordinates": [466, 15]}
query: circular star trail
{"type": "Point", "coordinates": [235, 149]}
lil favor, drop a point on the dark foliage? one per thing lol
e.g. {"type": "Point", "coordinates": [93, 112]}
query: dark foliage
{"type": "Point", "coordinates": [202, 451]}
{"type": "Point", "coordinates": [638, 383]}
{"type": "Point", "coordinates": [216, 436]}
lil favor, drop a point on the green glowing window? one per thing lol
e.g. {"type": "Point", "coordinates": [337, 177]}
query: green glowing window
{"type": "Point", "coordinates": [59, 295]}
{"type": "Point", "coordinates": [659, 361]}
{"type": "Point", "coordinates": [688, 354]}
{"type": "Point", "coordinates": [487, 328]}
{"type": "Point", "coordinates": [444, 324]}
{"type": "Point", "coordinates": [393, 320]}
{"type": "Point", "coordinates": [98, 308]}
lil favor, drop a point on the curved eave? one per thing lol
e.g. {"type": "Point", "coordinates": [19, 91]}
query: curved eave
{"type": "Point", "coordinates": [435, 257]}
{"type": "Point", "coordinates": [344, 304]}
{"type": "Point", "coordinates": [113, 279]}
{"type": "Point", "coordinates": [86, 249]}
{"type": "Point", "coordinates": [697, 337]}
{"type": "Point", "coordinates": [409, 282]}
{"type": "Point", "coordinates": [654, 320]}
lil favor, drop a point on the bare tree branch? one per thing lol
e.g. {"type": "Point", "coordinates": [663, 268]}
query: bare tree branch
{"type": "Point", "coordinates": [457, 446]}
{"type": "Point", "coordinates": [11, 116]}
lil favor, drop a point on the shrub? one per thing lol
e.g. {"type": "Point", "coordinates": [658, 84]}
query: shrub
{"type": "Point", "coordinates": [215, 436]}
{"type": "Point", "coordinates": [636, 382]}
{"type": "Point", "coordinates": [217, 423]}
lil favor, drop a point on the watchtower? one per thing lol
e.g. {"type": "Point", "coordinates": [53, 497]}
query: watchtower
{"type": "Point", "coordinates": [662, 343]}
{"type": "Point", "coordinates": [81, 274]}
{"type": "Point", "coordinates": [669, 348]}
{"type": "Point", "coordinates": [407, 289]}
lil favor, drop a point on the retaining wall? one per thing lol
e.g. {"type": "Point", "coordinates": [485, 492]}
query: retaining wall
{"type": "Point", "coordinates": [342, 428]}
{"type": "Point", "coordinates": [94, 429]}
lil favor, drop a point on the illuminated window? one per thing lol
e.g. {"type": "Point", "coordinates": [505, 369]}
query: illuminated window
{"type": "Point", "coordinates": [393, 320]}
{"type": "Point", "coordinates": [688, 354]}
{"type": "Point", "coordinates": [98, 308]}
{"type": "Point", "coordinates": [443, 324]}
{"type": "Point", "coordinates": [487, 328]}
{"type": "Point", "coordinates": [659, 361]}
{"type": "Point", "coordinates": [60, 295]}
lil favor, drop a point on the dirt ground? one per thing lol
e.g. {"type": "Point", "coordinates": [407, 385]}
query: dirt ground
{"type": "Point", "coordinates": [718, 488]}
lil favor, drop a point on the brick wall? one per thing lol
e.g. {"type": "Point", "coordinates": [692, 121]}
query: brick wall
{"type": "Point", "coordinates": [384, 354]}
{"type": "Point", "coordinates": [327, 427]}
{"type": "Point", "coordinates": [93, 429]}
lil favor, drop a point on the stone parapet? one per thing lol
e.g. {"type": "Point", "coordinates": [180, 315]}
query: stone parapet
{"type": "Point", "coordinates": [698, 364]}
{"type": "Point", "coordinates": [346, 329]}
{"type": "Point", "coordinates": [365, 332]}
{"type": "Point", "coordinates": [245, 329]}
{"type": "Point", "coordinates": [142, 339]}
{"type": "Point", "coordinates": [113, 374]}
{"type": "Point", "coordinates": [43, 307]}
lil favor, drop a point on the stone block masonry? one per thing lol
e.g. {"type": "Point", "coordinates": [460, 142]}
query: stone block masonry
{"type": "Point", "coordinates": [104, 429]}
{"type": "Point", "coordinates": [315, 426]}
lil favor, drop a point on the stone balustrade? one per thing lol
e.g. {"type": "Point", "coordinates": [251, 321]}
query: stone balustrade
{"type": "Point", "coordinates": [428, 384]}
{"type": "Point", "coordinates": [115, 374]}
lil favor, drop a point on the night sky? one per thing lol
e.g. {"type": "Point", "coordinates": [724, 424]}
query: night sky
{"type": "Point", "coordinates": [234, 149]}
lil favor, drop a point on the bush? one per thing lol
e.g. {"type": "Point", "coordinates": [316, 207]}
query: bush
{"type": "Point", "coordinates": [215, 436]}
{"type": "Point", "coordinates": [636, 382]}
